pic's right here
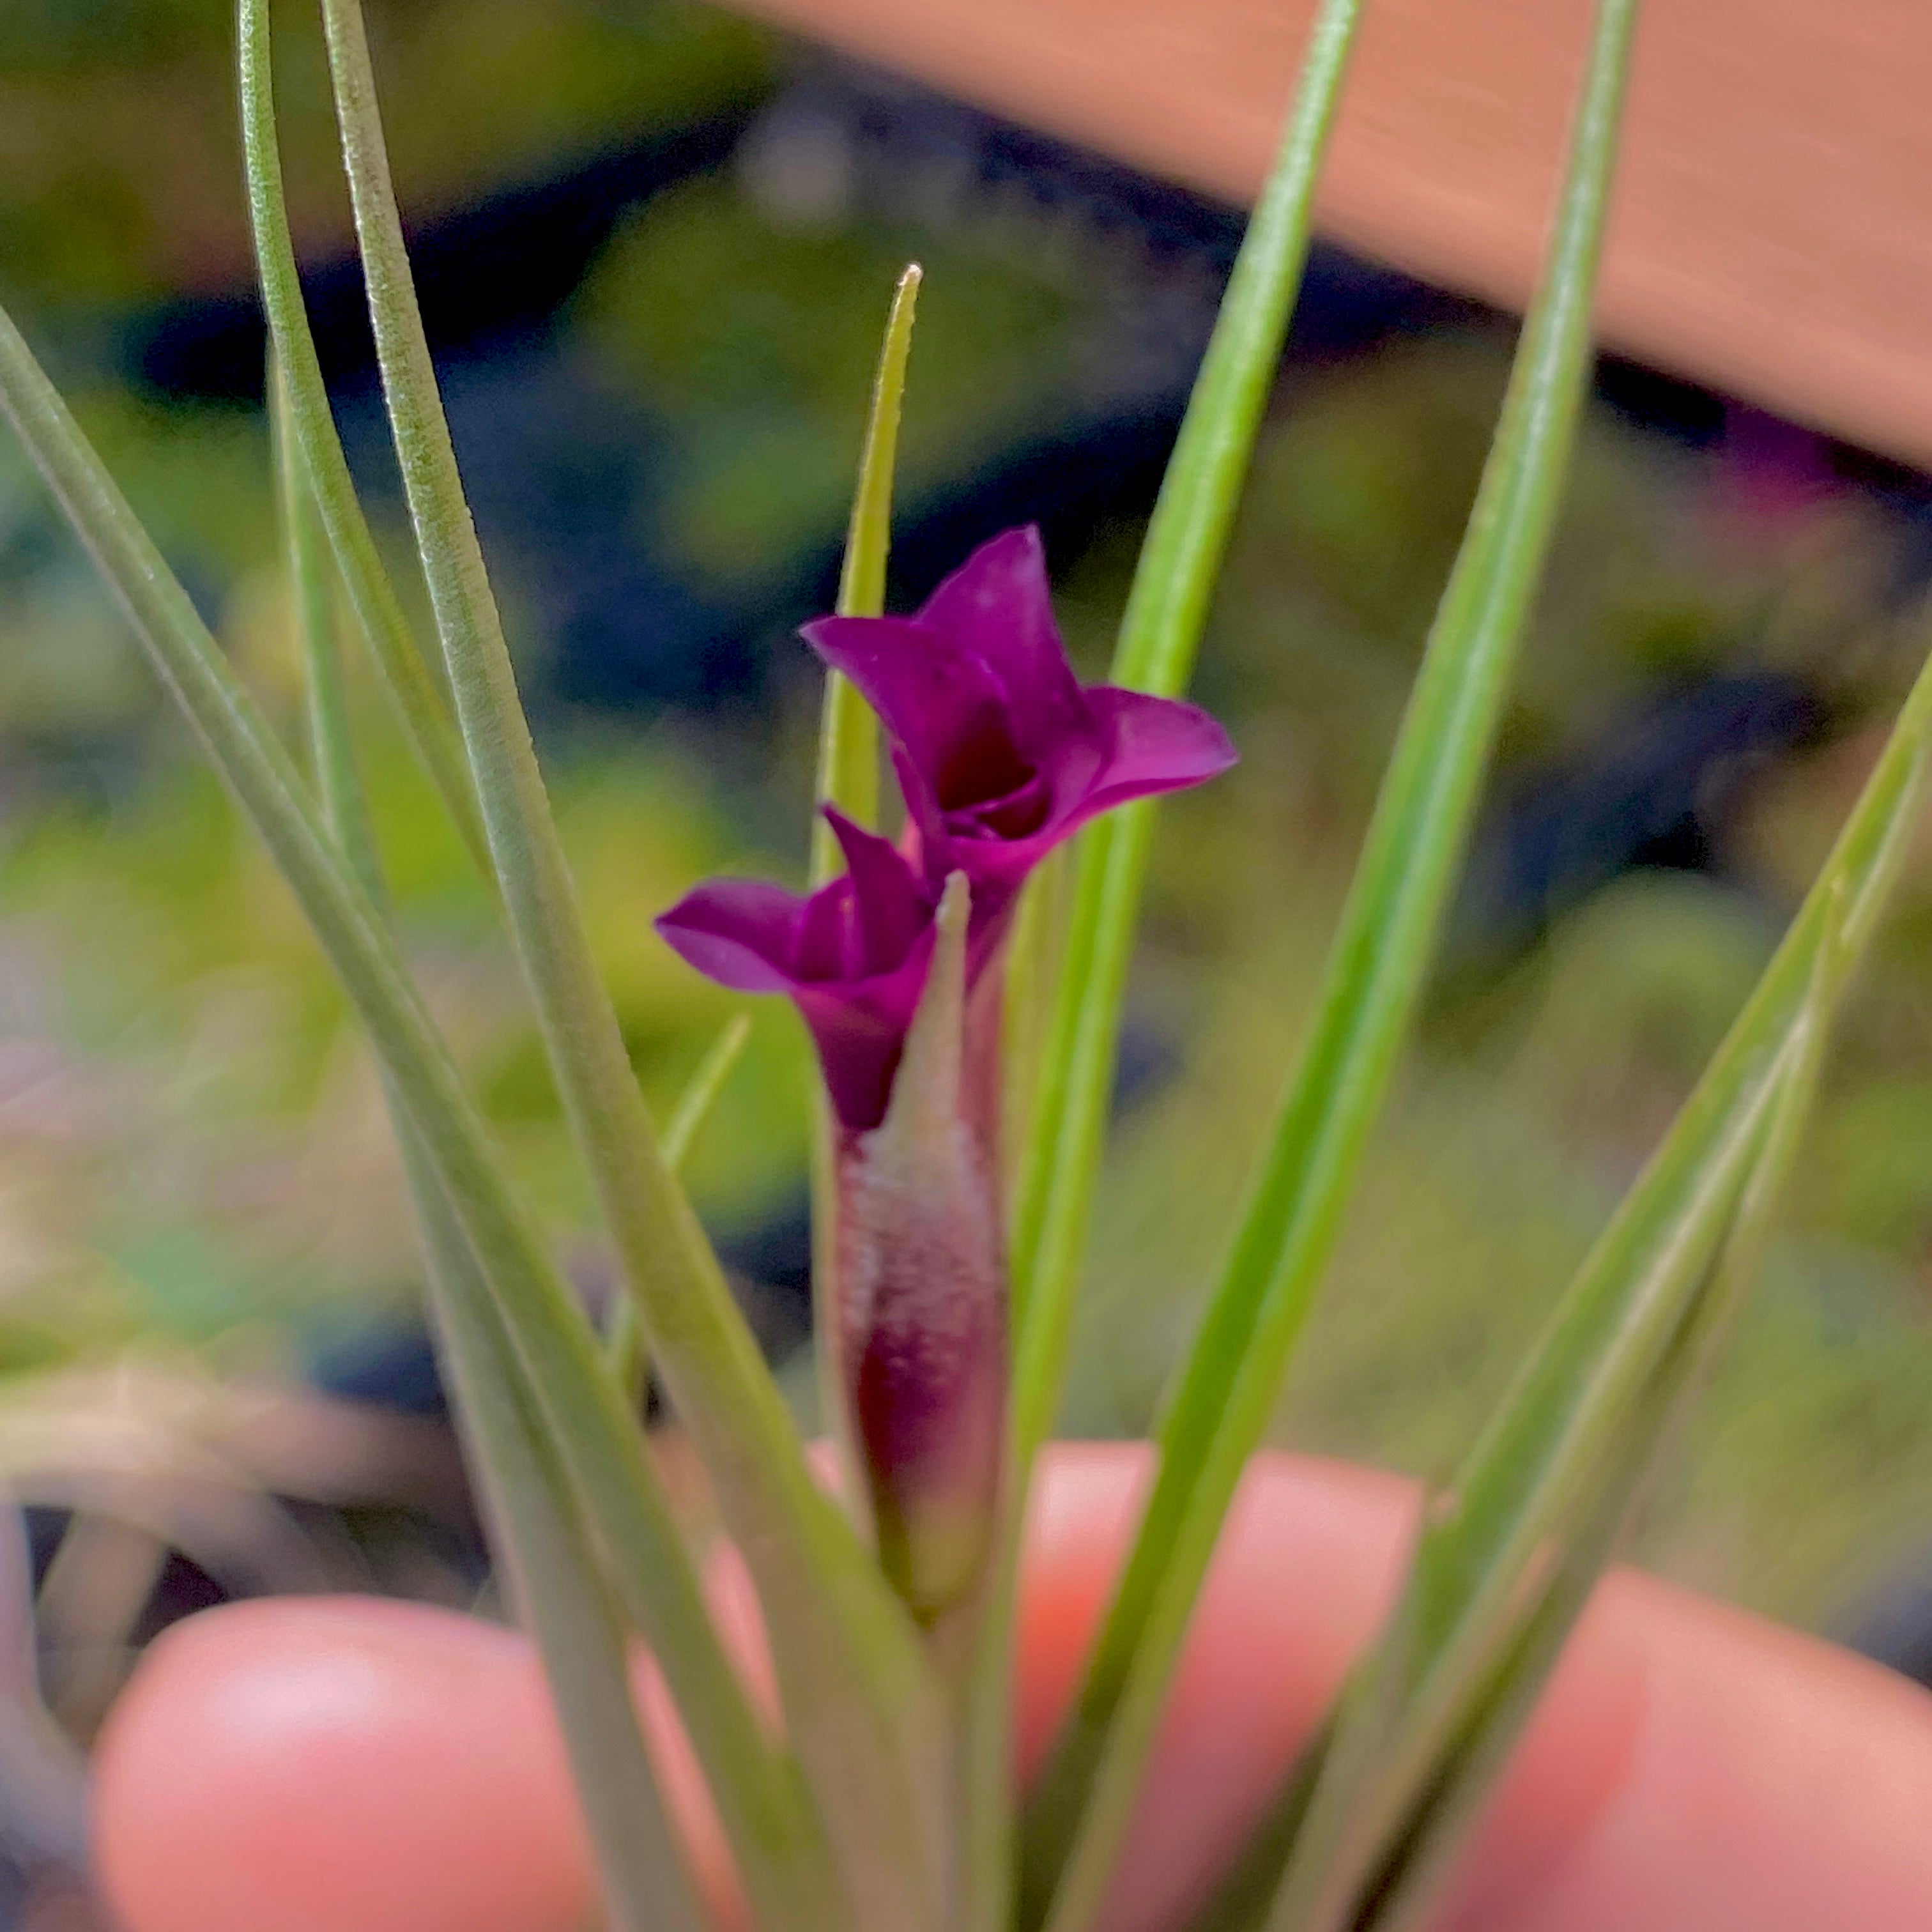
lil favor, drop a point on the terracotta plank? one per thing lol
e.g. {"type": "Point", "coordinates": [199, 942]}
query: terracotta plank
{"type": "Point", "coordinates": [1773, 235]}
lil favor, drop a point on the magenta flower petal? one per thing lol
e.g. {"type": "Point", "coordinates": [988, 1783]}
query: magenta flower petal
{"type": "Point", "coordinates": [742, 933]}
{"type": "Point", "coordinates": [828, 947]}
{"type": "Point", "coordinates": [1001, 756]}
{"type": "Point", "coordinates": [890, 905]}
{"type": "Point", "coordinates": [943, 705]}
{"type": "Point", "coordinates": [926, 836]}
{"type": "Point", "coordinates": [852, 957]}
{"type": "Point", "coordinates": [997, 607]}
{"type": "Point", "coordinates": [920, 1310]}
{"type": "Point", "coordinates": [859, 1029]}
{"type": "Point", "coordinates": [1153, 745]}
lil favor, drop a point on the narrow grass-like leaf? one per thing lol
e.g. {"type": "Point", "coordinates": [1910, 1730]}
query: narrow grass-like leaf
{"type": "Point", "coordinates": [984, 1740]}
{"type": "Point", "coordinates": [1233, 1374]}
{"type": "Point", "coordinates": [311, 578]}
{"type": "Point", "coordinates": [848, 737]}
{"type": "Point", "coordinates": [862, 1709]}
{"type": "Point", "coordinates": [1033, 957]}
{"type": "Point", "coordinates": [1404, 1893]}
{"type": "Point", "coordinates": [539, 1534]}
{"type": "Point", "coordinates": [1539, 1467]}
{"type": "Point", "coordinates": [702, 1089]}
{"type": "Point", "coordinates": [848, 778]}
{"type": "Point", "coordinates": [378, 611]}
{"type": "Point", "coordinates": [647, 1883]}
{"type": "Point", "coordinates": [626, 1338]}
{"type": "Point", "coordinates": [1160, 634]}
{"type": "Point", "coordinates": [1159, 637]}
{"type": "Point", "coordinates": [1407, 1893]}
{"type": "Point", "coordinates": [773, 1828]}
{"type": "Point", "coordinates": [983, 1737]}
{"type": "Point", "coordinates": [1407, 1888]}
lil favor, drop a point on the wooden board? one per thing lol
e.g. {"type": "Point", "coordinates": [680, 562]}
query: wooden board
{"type": "Point", "coordinates": [1773, 232]}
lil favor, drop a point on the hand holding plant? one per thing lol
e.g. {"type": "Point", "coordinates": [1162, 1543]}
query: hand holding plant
{"type": "Point", "coordinates": [321, 1766]}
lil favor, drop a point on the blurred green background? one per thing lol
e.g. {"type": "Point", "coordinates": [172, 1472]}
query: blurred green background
{"type": "Point", "coordinates": [199, 1205]}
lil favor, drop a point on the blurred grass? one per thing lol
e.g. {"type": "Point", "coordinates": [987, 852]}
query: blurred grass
{"type": "Point", "coordinates": [232, 1165]}
{"type": "Point", "coordinates": [119, 159]}
{"type": "Point", "coordinates": [747, 335]}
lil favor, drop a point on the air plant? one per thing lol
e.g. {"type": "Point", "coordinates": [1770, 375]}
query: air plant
{"type": "Point", "coordinates": [948, 1263]}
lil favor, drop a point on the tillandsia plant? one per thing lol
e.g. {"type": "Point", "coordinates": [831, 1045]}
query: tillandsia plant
{"type": "Point", "coordinates": [883, 1799]}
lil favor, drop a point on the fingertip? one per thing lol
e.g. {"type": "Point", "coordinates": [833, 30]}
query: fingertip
{"type": "Point", "coordinates": [1085, 1498]}
{"type": "Point", "coordinates": [1688, 1765]}
{"type": "Point", "coordinates": [316, 1764]}
{"type": "Point", "coordinates": [1763, 1777]}
{"type": "Point", "coordinates": [1305, 1569]}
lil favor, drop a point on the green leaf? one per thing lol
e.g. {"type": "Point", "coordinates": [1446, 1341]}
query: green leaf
{"type": "Point", "coordinates": [861, 1706]}
{"type": "Point", "coordinates": [1034, 956]}
{"type": "Point", "coordinates": [1407, 1885]}
{"type": "Point", "coordinates": [1539, 1466]}
{"type": "Point", "coordinates": [848, 777]}
{"type": "Point", "coordinates": [625, 1341]}
{"type": "Point", "coordinates": [1232, 1376]}
{"type": "Point", "coordinates": [594, 1436]}
{"type": "Point", "coordinates": [648, 1885]}
{"type": "Point", "coordinates": [378, 610]}
{"type": "Point", "coordinates": [538, 1530]}
{"type": "Point", "coordinates": [1408, 1890]}
{"type": "Point", "coordinates": [1160, 634]}
{"type": "Point", "coordinates": [848, 738]}
{"type": "Point", "coordinates": [984, 1743]}
{"type": "Point", "coordinates": [702, 1089]}
{"type": "Point", "coordinates": [1405, 1890]}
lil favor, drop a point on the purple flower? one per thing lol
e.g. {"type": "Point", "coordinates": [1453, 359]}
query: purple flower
{"type": "Point", "coordinates": [1001, 752]}
{"type": "Point", "coordinates": [1001, 755]}
{"type": "Point", "coordinates": [852, 957]}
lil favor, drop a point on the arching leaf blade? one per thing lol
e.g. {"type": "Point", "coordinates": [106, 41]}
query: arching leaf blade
{"type": "Point", "coordinates": [584, 1415]}
{"type": "Point", "coordinates": [625, 1340]}
{"type": "Point", "coordinates": [1500, 1576]}
{"type": "Point", "coordinates": [1160, 636]}
{"type": "Point", "coordinates": [861, 1707]}
{"type": "Point", "coordinates": [379, 612]}
{"type": "Point", "coordinates": [1231, 1378]}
